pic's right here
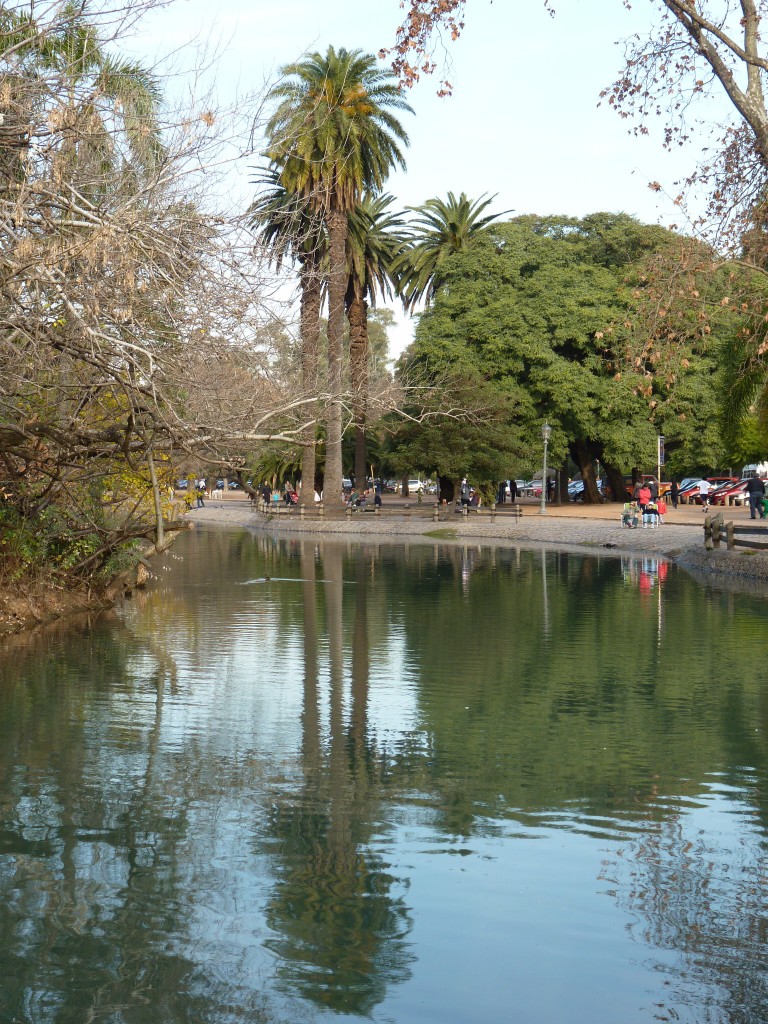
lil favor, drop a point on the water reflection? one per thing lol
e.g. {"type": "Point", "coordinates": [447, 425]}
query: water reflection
{"type": "Point", "coordinates": [297, 779]}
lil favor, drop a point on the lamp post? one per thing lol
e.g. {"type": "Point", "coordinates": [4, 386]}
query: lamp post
{"type": "Point", "coordinates": [546, 433]}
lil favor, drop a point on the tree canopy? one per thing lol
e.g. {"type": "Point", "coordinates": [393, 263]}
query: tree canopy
{"type": "Point", "coordinates": [545, 310]}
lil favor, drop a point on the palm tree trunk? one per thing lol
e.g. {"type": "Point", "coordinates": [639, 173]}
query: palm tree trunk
{"type": "Point", "coordinates": [357, 314]}
{"type": "Point", "coordinates": [310, 347]}
{"type": "Point", "coordinates": [337, 286]}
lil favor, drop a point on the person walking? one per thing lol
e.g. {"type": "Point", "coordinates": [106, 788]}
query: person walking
{"type": "Point", "coordinates": [513, 491]}
{"type": "Point", "coordinates": [756, 492]}
{"type": "Point", "coordinates": [704, 494]}
{"type": "Point", "coordinates": [674, 493]}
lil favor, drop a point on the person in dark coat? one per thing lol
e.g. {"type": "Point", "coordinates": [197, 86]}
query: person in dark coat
{"type": "Point", "coordinates": [756, 492]}
{"type": "Point", "coordinates": [674, 493]}
{"type": "Point", "coordinates": [501, 496]}
{"type": "Point", "coordinates": [513, 491]}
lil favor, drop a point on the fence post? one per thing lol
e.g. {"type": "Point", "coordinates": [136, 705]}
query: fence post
{"type": "Point", "coordinates": [708, 533]}
{"type": "Point", "coordinates": [408, 509]}
{"type": "Point", "coordinates": [493, 512]}
{"type": "Point", "coordinates": [716, 532]}
{"type": "Point", "coordinates": [436, 513]}
{"type": "Point", "coordinates": [349, 511]}
{"type": "Point", "coordinates": [301, 510]}
{"type": "Point", "coordinates": [730, 539]}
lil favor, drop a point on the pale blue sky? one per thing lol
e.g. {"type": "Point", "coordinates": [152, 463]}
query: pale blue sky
{"type": "Point", "coordinates": [523, 121]}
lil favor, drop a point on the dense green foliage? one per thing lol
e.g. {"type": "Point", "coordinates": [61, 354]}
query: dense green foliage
{"type": "Point", "coordinates": [545, 312]}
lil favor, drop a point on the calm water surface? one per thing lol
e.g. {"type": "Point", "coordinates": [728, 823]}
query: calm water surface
{"type": "Point", "coordinates": [304, 782]}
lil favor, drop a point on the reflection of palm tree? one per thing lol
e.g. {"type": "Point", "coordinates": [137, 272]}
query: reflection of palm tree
{"type": "Point", "coordinates": [340, 930]}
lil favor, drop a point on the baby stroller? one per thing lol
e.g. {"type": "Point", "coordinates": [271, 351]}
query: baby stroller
{"type": "Point", "coordinates": [630, 517]}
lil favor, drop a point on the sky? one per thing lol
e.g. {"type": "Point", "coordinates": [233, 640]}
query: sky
{"type": "Point", "coordinates": [523, 122]}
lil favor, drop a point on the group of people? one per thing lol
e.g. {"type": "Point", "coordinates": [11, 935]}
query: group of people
{"type": "Point", "coordinates": [358, 499]}
{"type": "Point", "coordinates": [645, 506]}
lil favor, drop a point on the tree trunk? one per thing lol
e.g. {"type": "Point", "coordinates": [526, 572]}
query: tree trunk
{"type": "Point", "coordinates": [562, 484]}
{"type": "Point", "coordinates": [337, 286]}
{"type": "Point", "coordinates": [583, 457]}
{"type": "Point", "coordinates": [615, 482]}
{"type": "Point", "coordinates": [310, 347]}
{"type": "Point", "coordinates": [357, 314]}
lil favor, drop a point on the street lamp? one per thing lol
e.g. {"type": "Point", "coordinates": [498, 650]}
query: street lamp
{"type": "Point", "coordinates": [546, 433]}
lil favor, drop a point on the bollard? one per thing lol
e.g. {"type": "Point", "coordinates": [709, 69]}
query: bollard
{"type": "Point", "coordinates": [349, 511]}
{"type": "Point", "coordinates": [436, 514]}
{"type": "Point", "coordinates": [301, 511]}
{"type": "Point", "coordinates": [321, 509]}
{"type": "Point", "coordinates": [377, 510]}
{"type": "Point", "coordinates": [493, 512]}
{"type": "Point", "coordinates": [407, 509]}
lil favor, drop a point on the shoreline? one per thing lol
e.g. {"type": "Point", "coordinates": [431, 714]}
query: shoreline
{"type": "Point", "coordinates": [589, 530]}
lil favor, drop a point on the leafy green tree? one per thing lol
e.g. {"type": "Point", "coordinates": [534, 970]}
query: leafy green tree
{"type": "Point", "coordinates": [332, 135]}
{"type": "Point", "coordinates": [535, 307]}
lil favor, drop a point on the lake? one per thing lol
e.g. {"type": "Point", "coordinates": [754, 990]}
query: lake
{"type": "Point", "coordinates": [299, 781]}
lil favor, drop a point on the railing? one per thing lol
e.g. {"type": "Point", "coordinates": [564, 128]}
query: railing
{"type": "Point", "coordinates": [715, 527]}
{"type": "Point", "coordinates": [436, 512]}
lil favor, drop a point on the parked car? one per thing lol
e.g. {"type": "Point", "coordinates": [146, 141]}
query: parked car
{"type": "Point", "coordinates": [234, 485]}
{"type": "Point", "coordinates": [719, 494]}
{"type": "Point", "coordinates": [728, 493]}
{"type": "Point", "coordinates": [415, 486]}
{"type": "Point", "coordinates": [182, 485]}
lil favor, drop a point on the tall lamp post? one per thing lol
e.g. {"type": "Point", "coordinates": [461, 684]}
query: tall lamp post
{"type": "Point", "coordinates": [546, 433]}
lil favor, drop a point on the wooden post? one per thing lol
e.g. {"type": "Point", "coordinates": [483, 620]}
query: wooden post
{"type": "Point", "coordinates": [465, 510]}
{"type": "Point", "coordinates": [493, 512]}
{"type": "Point", "coordinates": [708, 532]}
{"type": "Point", "coordinates": [349, 511]}
{"type": "Point", "coordinates": [408, 509]}
{"type": "Point", "coordinates": [321, 509]}
{"type": "Point", "coordinates": [730, 539]}
{"type": "Point", "coordinates": [301, 510]}
{"type": "Point", "coordinates": [436, 513]}
{"type": "Point", "coordinates": [716, 532]}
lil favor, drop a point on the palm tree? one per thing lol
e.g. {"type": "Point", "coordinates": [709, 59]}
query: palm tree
{"type": "Point", "coordinates": [113, 102]}
{"type": "Point", "coordinates": [332, 135]}
{"type": "Point", "coordinates": [441, 229]}
{"type": "Point", "coordinates": [374, 241]}
{"type": "Point", "coordinates": [290, 229]}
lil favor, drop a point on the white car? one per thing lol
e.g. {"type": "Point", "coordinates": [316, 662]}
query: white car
{"type": "Point", "coordinates": [414, 486]}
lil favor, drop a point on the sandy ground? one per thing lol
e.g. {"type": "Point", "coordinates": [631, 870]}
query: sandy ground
{"type": "Point", "coordinates": [598, 528]}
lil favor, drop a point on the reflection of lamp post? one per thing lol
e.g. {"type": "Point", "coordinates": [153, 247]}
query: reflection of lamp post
{"type": "Point", "coordinates": [546, 433]}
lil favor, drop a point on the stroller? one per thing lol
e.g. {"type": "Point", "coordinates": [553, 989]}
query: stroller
{"type": "Point", "coordinates": [630, 517]}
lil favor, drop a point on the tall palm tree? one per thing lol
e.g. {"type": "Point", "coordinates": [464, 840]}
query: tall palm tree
{"type": "Point", "coordinates": [374, 241]}
{"type": "Point", "coordinates": [291, 229]}
{"type": "Point", "coordinates": [440, 229]}
{"type": "Point", "coordinates": [331, 136]}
